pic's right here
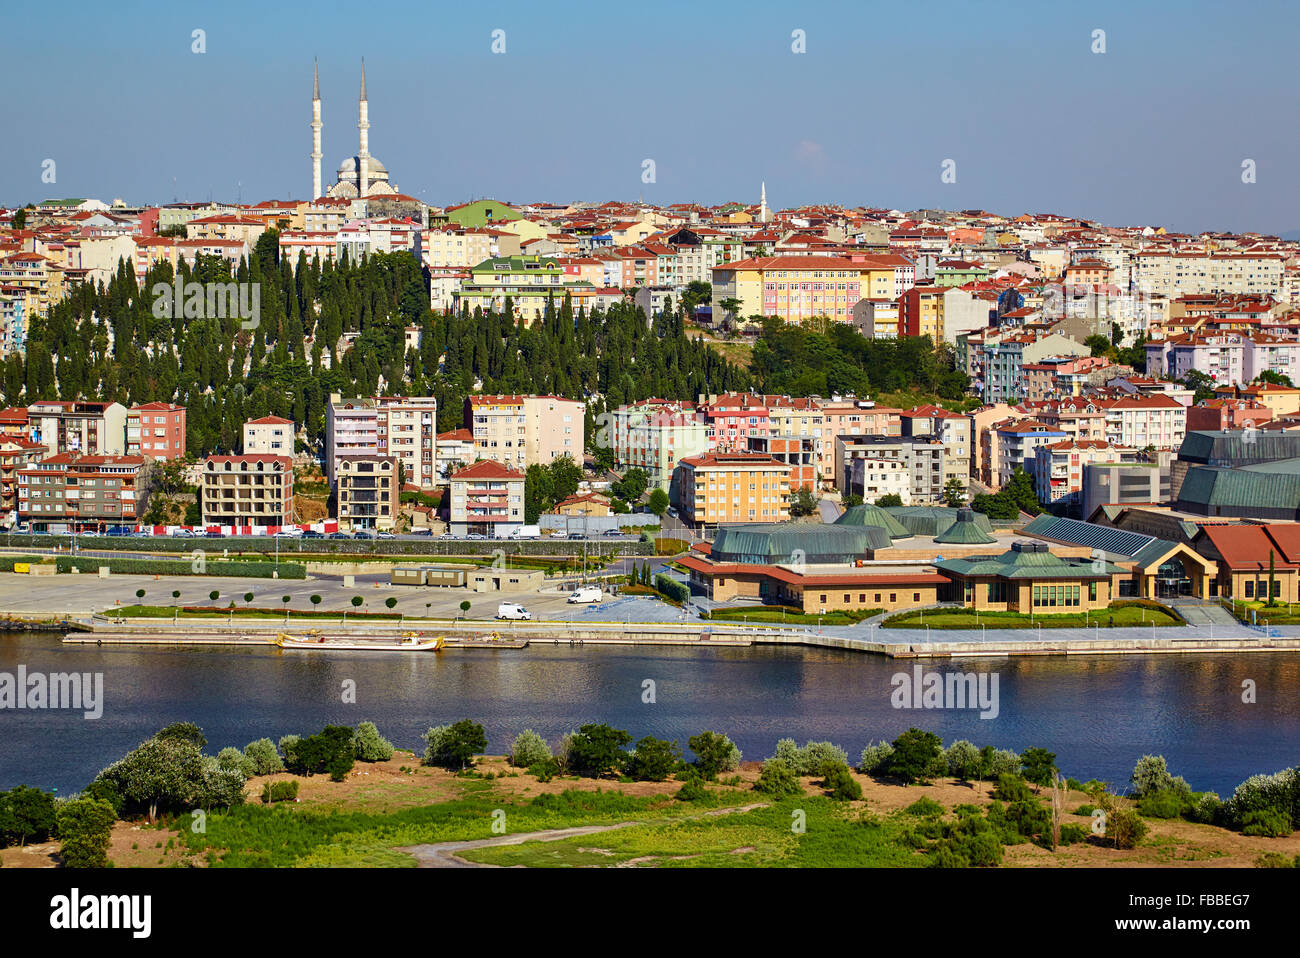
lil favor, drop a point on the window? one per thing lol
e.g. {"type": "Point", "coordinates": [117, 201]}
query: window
{"type": "Point", "coordinates": [1250, 589]}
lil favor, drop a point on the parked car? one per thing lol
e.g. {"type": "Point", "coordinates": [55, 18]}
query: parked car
{"type": "Point", "coordinates": [611, 533]}
{"type": "Point", "coordinates": [426, 531]}
{"type": "Point", "coordinates": [672, 511]}
{"type": "Point", "coordinates": [446, 535]}
{"type": "Point", "coordinates": [313, 534]}
{"type": "Point", "coordinates": [289, 534]}
{"type": "Point", "coordinates": [512, 610]}
{"type": "Point", "coordinates": [476, 535]}
{"type": "Point", "coordinates": [384, 535]}
{"type": "Point", "coordinates": [576, 535]}
{"type": "Point", "coordinates": [184, 533]}
{"type": "Point", "coordinates": [339, 535]}
{"type": "Point", "coordinates": [363, 534]}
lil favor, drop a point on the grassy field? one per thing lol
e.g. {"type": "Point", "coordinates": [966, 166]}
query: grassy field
{"type": "Point", "coordinates": [216, 612]}
{"type": "Point", "coordinates": [1281, 614]}
{"type": "Point", "coordinates": [1117, 615]}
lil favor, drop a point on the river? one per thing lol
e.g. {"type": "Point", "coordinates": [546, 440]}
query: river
{"type": "Point", "coordinates": [1099, 714]}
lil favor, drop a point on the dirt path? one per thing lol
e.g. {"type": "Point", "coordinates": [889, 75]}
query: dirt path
{"type": "Point", "coordinates": [443, 854]}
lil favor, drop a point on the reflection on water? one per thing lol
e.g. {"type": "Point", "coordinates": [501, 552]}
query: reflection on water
{"type": "Point", "coordinates": [1099, 714]}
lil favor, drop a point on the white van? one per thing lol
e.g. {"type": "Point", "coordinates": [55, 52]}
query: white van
{"type": "Point", "coordinates": [587, 593]}
{"type": "Point", "coordinates": [512, 610]}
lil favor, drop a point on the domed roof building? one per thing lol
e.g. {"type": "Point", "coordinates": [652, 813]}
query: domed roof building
{"type": "Point", "coordinates": [358, 176]}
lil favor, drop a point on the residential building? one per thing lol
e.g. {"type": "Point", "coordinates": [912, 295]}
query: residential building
{"type": "Point", "coordinates": [400, 426]}
{"type": "Point", "coordinates": [721, 487]}
{"type": "Point", "coordinates": [74, 491]}
{"type": "Point", "coordinates": [522, 431]}
{"type": "Point", "coordinates": [247, 490]}
{"type": "Point", "coordinates": [93, 428]}
{"type": "Point", "coordinates": [1123, 483]}
{"type": "Point", "coordinates": [453, 450]}
{"type": "Point", "coordinates": [16, 454]}
{"type": "Point", "coordinates": [367, 493]}
{"type": "Point", "coordinates": [156, 430]}
{"type": "Point", "coordinates": [1058, 467]}
{"type": "Point", "coordinates": [271, 435]}
{"type": "Point", "coordinates": [654, 436]}
{"type": "Point", "coordinates": [797, 288]}
{"type": "Point", "coordinates": [486, 499]}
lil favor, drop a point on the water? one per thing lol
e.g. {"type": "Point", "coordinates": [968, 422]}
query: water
{"type": "Point", "coordinates": [1098, 714]}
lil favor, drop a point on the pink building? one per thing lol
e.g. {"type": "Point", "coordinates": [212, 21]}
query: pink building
{"type": "Point", "coordinates": [156, 430]}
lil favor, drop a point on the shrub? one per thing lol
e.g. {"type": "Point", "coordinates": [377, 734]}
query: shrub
{"type": "Point", "coordinates": [455, 745]}
{"type": "Point", "coordinates": [105, 792]}
{"type": "Point", "coordinates": [288, 748]}
{"type": "Point", "coordinates": [232, 760]}
{"type": "Point", "coordinates": [1267, 822]}
{"type": "Point", "coordinates": [994, 763]}
{"type": "Point", "coordinates": [670, 587]}
{"type": "Point", "coordinates": [778, 779]}
{"type": "Point", "coordinates": [875, 756]}
{"type": "Point", "coordinates": [811, 758]}
{"type": "Point", "coordinates": [528, 749]}
{"type": "Point", "coordinates": [1012, 788]}
{"type": "Point", "coordinates": [962, 759]}
{"type": "Point", "coordinates": [1206, 809]}
{"type": "Point", "coordinates": [1279, 792]}
{"type": "Point", "coordinates": [1072, 834]}
{"type": "Point", "coordinates": [838, 780]}
{"type": "Point", "coordinates": [263, 757]}
{"type": "Point", "coordinates": [692, 790]}
{"type": "Point", "coordinates": [218, 787]}
{"type": "Point", "coordinates": [915, 755]}
{"type": "Point", "coordinates": [330, 751]}
{"type": "Point", "coordinates": [1151, 775]}
{"type": "Point", "coordinates": [924, 808]}
{"type": "Point", "coordinates": [1124, 827]}
{"type": "Point", "coordinates": [597, 749]}
{"type": "Point", "coordinates": [653, 759]}
{"type": "Point", "coordinates": [369, 745]}
{"type": "Point", "coordinates": [1276, 860]}
{"type": "Point", "coordinates": [1163, 804]}
{"type": "Point", "coordinates": [85, 831]}
{"type": "Point", "coordinates": [714, 753]}
{"type": "Point", "coordinates": [1038, 766]}
{"type": "Point", "coordinates": [563, 748]}
{"type": "Point", "coordinates": [545, 770]}
{"type": "Point", "coordinates": [26, 814]}
{"type": "Point", "coordinates": [285, 791]}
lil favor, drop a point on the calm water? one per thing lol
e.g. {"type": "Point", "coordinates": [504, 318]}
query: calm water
{"type": "Point", "coordinates": [1098, 714]}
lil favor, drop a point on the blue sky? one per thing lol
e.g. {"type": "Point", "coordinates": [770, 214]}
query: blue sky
{"type": "Point", "coordinates": [1152, 131]}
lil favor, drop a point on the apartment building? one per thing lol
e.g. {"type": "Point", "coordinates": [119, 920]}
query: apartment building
{"type": "Point", "coordinates": [269, 435]}
{"type": "Point", "coordinates": [16, 454]}
{"type": "Point", "coordinates": [724, 487]}
{"type": "Point", "coordinates": [156, 430]}
{"type": "Point", "coordinates": [1004, 362]}
{"type": "Point", "coordinates": [923, 461]}
{"type": "Point", "coordinates": [486, 499]}
{"type": "Point", "coordinates": [1229, 358]}
{"type": "Point", "coordinates": [849, 416]}
{"type": "Point", "coordinates": [952, 429]}
{"type": "Point", "coordinates": [1058, 467]}
{"type": "Point", "coordinates": [74, 491]}
{"type": "Point", "coordinates": [247, 490]}
{"type": "Point", "coordinates": [731, 420]}
{"type": "Point", "coordinates": [1018, 441]}
{"type": "Point", "coordinates": [1141, 421]}
{"type": "Point", "coordinates": [522, 431]}
{"type": "Point", "coordinates": [453, 450]}
{"type": "Point", "coordinates": [401, 426]}
{"type": "Point", "coordinates": [92, 428]}
{"type": "Point", "coordinates": [797, 288]}
{"type": "Point", "coordinates": [654, 436]}
{"type": "Point", "coordinates": [367, 492]}
{"type": "Point", "coordinates": [1126, 482]}
{"type": "Point", "coordinates": [873, 477]}
{"type": "Point", "coordinates": [1175, 274]}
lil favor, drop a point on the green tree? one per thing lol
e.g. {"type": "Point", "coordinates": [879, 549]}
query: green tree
{"type": "Point", "coordinates": [658, 502]}
{"type": "Point", "coordinates": [954, 492]}
{"type": "Point", "coordinates": [455, 745]}
{"type": "Point", "coordinates": [597, 749]}
{"type": "Point", "coordinates": [26, 814]}
{"type": "Point", "coordinates": [914, 756]}
{"type": "Point", "coordinates": [803, 502]}
{"type": "Point", "coordinates": [714, 753]}
{"type": "Point", "coordinates": [1039, 765]}
{"type": "Point", "coordinates": [889, 499]}
{"type": "Point", "coordinates": [653, 759]}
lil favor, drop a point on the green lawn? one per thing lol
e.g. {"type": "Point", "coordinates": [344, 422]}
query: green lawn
{"type": "Point", "coordinates": [1119, 615]}
{"type": "Point", "coordinates": [1280, 614]}
{"type": "Point", "coordinates": [760, 613]}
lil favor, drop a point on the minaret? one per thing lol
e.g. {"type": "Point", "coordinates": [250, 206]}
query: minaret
{"type": "Point", "coordinates": [762, 204]}
{"type": "Point", "coordinates": [363, 155]}
{"type": "Point", "coordinates": [315, 132]}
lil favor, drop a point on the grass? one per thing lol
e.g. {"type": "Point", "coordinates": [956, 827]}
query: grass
{"type": "Point", "coordinates": [1281, 614]}
{"type": "Point", "coordinates": [834, 836]}
{"type": "Point", "coordinates": [256, 835]}
{"type": "Point", "coordinates": [1124, 615]}
{"type": "Point", "coordinates": [793, 617]}
{"type": "Point", "coordinates": [217, 612]}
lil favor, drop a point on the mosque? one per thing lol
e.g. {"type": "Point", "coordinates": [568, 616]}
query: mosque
{"type": "Point", "coordinates": [358, 176]}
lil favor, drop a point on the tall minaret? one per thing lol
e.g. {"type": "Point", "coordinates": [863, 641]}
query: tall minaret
{"type": "Point", "coordinates": [315, 132]}
{"type": "Point", "coordinates": [762, 204]}
{"type": "Point", "coordinates": [363, 155]}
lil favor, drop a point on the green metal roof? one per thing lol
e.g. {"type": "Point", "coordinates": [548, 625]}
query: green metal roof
{"type": "Point", "coordinates": [812, 542]}
{"type": "Point", "coordinates": [1118, 542]}
{"type": "Point", "coordinates": [1029, 560]}
{"type": "Point", "coordinates": [965, 531]}
{"type": "Point", "coordinates": [868, 514]}
{"type": "Point", "coordinates": [1238, 447]}
{"type": "Point", "coordinates": [1270, 493]}
{"type": "Point", "coordinates": [933, 520]}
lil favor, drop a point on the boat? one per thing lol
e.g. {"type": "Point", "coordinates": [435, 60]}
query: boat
{"type": "Point", "coordinates": [314, 641]}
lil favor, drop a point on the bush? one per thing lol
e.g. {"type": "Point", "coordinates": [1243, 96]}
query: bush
{"type": "Point", "coordinates": [1268, 822]}
{"type": "Point", "coordinates": [263, 757]}
{"type": "Point", "coordinates": [330, 751]}
{"type": "Point", "coordinates": [597, 749]}
{"type": "Point", "coordinates": [26, 815]}
{"type": "Point", "coordinates": [454, 746]}
{"type": "Point", "coordinates": [915, 755]}
{"type": "Point", "coordinates": [1163, 804]}
{"type": "Point", "coordinates": [714, 753]}
{"type": "Point", "coordinates": [994, 763]}
{"type": "Point", "coordinates": [563, 748]}
{"type": "Point", "coordinates": [285, 791]}
{"type": "Point", "coordinates": [105, 792]}
{"type": "Point", "coordinates": [875, 756]}
{"type": "Point", "coordinates": [289, 748]}
{"type": "Point", "coordinates": [1279, 792]}
{"type": "Point", "coordinates": [670, 587]}
{"type": "Point", "coordinates": [1072, 834]}
{"type": "Point", "coordinates": [1151, 775]}
{"type": "Point", "coordinates": [838, 780]}
{"type": "Point", "coordinates": [240, 568]}
{"type": "Point", "coordinates": [369, 746]}
{"type": "Point", "coordinates": [85, 831]}
{"type": "Point", "coordinates": [924, 808]}
{"type": "Point", "coordinates": [218, 787]}
{"type": "Point", "coordinates": [653, 759]}
{"type": "Point", "coordinates": [1012, 788]}
{"type": "Point", "coordinates": [545, 770]}
{"type": "Point", "coordinates": [528, 749]}
{"type": "Point", "coordinates": [962, 759]}
{"type": "Point", "coordinates": [812, 758]}
{"type": "Point", "coordinates": [692, 790]}
{"type": "Point", "coordinates": [778, 779]}
{"type": "Point", "coordinates": [1038, 766]}
{"type": "Point", "coordinates": [1124, 827]}
{"type": "Point", "coordinates": [1276, 860]}
{"type": "Point", "coordinates": [1206, 809]}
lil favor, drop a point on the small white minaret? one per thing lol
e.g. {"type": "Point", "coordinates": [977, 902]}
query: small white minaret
{"type": "Point", "coordinates": [315, 132]}
{"type": "Point", "coordinates": [762, 204]}
{"type": "Point", "coordinates": [363, 155]}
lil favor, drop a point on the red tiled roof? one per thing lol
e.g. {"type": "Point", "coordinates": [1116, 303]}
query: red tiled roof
{"type": "Point", "coordinates": [487, 469]}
